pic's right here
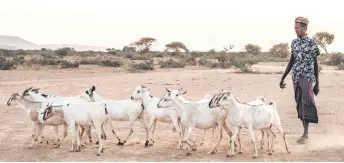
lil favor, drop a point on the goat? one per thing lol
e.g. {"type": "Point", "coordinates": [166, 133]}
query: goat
{"type": "Point", "coordinates": [32, 110]}
{"type": "Point", "coordinates": [75, 114]}
{"type": "Point", "coordinates": [122, 110]}
{"type": "Point", "coordinates": [192, 116]}
{"type": "Point", "coordinates": [206, 99]}
{"type": "Point", "coordinates": [251, 117]}
{"type": "Point", "coordinates": [155, 114]}
{"type": "Point", "coordinates": [59, 100]}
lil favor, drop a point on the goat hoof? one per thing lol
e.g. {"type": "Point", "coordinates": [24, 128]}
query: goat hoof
{"type": "Point", "coordinates": [120, 144]}
{"type": "Point", "coordinates": [213, 152]}
{"type": "Point", "coordinates": [188, 154]}
{"type": "Point", "coordinates": [270, 153]}
{"type": "Point", "coordinates": [98, 154]}
{"type": "Point", "coordinates": [228, 155]}
{"type": "Point", "coordinates": [255, 157]}
{"type": "Point", "coordinates": [97, 142]}
{"type": "Point", "coordinates": [30, 147]}
{"type": "Point", "coordinates": [90, 141]}
{"type": "Point", "coordinates": [239, 152]}
{"type": "Point", "coordinates": [47, 142]}
{"type": "Point", "coordinates": [147, 143]}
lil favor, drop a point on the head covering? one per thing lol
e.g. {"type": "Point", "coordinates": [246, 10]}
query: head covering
{"type": "Point", "coordinates": [302, 20]}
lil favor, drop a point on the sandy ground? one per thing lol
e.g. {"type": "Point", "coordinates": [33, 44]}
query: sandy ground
{"type": "Point", "coordinates": [325, 143]}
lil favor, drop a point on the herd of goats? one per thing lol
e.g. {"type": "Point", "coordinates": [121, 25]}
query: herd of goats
{"type": "Point", "coordinates": [89, 109]}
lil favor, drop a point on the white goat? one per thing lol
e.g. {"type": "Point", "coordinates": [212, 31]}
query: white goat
{"type": "Point", "coordinates": [59, 100]}
{"type": "Point", "coordinates": [155, 114]}
{"type": "Point", "coordinates": [257, 117]}
{"type": "Point", "coordinates": [206, 99]}
{"type": "Point", "coordinates": [192, 116]}
{"type": "Point", "coordinates": [32, 109]}
{"type": "Point", "coordinates": [122, 110]}
{"type": "Point", "coordinates": [86, 114]}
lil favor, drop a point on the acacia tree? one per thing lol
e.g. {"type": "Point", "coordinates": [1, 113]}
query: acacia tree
{"type": "Point", "coordinates": [281, 50]}
{"type": "Point", "coordinates": [176, 46]}
{"type": "Point", "coordinates": [252, 49]}
{"type": "Point", "coordinates": [323, 39]}
{"type": "Point", "coordinates": [144, 44]}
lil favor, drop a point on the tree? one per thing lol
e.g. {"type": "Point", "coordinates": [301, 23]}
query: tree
{"type": "Point", "coordinates": [323, 39]}
{"type": "Point", "coordinates": [227, 49]}
{"type": "Point", "coordinates": [144, 44]}
{"type": "Point", "coordinates": [252, 49]}
{"type": "Point", "coordinates": [176, 46]}
{"type": "Point", "coordinates": [111, 51]}
{"type": "Point", "coordinates": [64, 51]}
{"type": "Point", "coordinates": [280, 50]}
{"type": "Point", "coordinates": [129, 49]}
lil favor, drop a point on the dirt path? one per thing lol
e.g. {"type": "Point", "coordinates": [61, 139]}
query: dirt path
{"type": "Point", "coordinates": [325, 144]}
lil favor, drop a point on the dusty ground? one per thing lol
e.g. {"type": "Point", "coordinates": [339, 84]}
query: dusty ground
{"type": "Point", "coordinates": [325, 144]}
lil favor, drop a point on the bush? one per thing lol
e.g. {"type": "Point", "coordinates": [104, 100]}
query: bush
{"type": "Point", "coordinates": [112, 63]}
{"type": "Point", "coordinates": [280, 50]}
{"type": "Point", "coordinates": [7, 63]}
{"type": "Point", "coordinates": [144, 66]}
{"type": "Point", "coordinates": [160, 55]}
{"type": "Point", "coordinates": [171, 64]}
{"type": "Point", "coordinates": [63, 51]}
{"type": "Point", "coordinates": [252, 49]}
{"type": "Point", "coordinates": [90, 62]}
{"type": "Point", "coordinates": [45, 62]}
{"type": "Point", "coordinates": [336, 59]}
{"type": "Point", "coordinates": [204, 62]}
{"type": "Point", "coordinates": [341, 66]}
{"type": "Point", "coordinates": [68, 64]}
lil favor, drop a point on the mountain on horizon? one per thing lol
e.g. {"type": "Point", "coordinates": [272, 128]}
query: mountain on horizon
{"type": "Point", "coordinates": [15, 43]}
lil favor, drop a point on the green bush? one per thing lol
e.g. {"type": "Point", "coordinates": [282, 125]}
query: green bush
{"type": "Point", "coordinates": [68, 64]}
{"type": "Point", "coordinates": [112, 63]}
{"type": "Point", "coordinates": [336, 59]}
{"type": "Point", "coordinates": [171, 64]}
{"type": "Point", "coordinates": [139, 67]}
{"type": "Point", "coordinates": [7, 63]}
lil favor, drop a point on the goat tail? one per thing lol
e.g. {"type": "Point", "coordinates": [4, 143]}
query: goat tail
{"type": "Point", "coordinates": [261, 98]}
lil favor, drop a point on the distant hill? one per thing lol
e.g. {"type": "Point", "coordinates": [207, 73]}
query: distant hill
{"type": "Point", "coordinates": [14, 42]}
{"type": "Point", "coordinates": [17, 42]}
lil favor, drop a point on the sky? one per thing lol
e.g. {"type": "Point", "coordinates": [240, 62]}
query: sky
{"type": "Point", "coordinates": [200, 25]}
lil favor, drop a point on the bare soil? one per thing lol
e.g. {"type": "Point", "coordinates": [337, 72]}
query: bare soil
{"type": "Point", "coordinates": [325, 143]}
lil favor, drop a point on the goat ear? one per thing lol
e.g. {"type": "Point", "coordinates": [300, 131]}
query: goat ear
{"type": "Point", "coordinates": [168, 90]}
{"type": "Point", "coordinates": [93, 88]}
{"type": "Point", "coordinates": [184, 92]}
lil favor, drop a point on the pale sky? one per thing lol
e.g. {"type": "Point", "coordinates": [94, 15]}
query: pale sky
{"type": "Point", "coordinates": [201, 24]}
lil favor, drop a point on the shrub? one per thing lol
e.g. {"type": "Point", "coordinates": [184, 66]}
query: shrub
{"type": "Point", "coordinates": [112, 63]}
{"type": "Point", "coordinates": [171, 64]}
{"type": "Point", "coordinates": [280, 50]}
{"type": "Point", "coordinates": [68, 64]}
{"type": "Point", "coordinates": [204, 62]}
{"type": "Point", "coordinates": [63, 51]}
{"type": "Point", "coordinates": [160, 55]}
{"type": "Point", "coordinates": [144, 66]}
{"type": "Point", "coordinates": [252, 49]}
{"type": "Point", "coordinates": [7, 63]}
{"type": "Point", "coordinates": [336, 59]}
{"type": "Point", "coordinates": [341, 66]}
{"type": "Point", "coordinates": [90, 62]}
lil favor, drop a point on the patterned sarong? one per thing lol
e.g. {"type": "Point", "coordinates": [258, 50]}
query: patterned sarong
{"type": "Point", "coordinates": [304, 98]}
